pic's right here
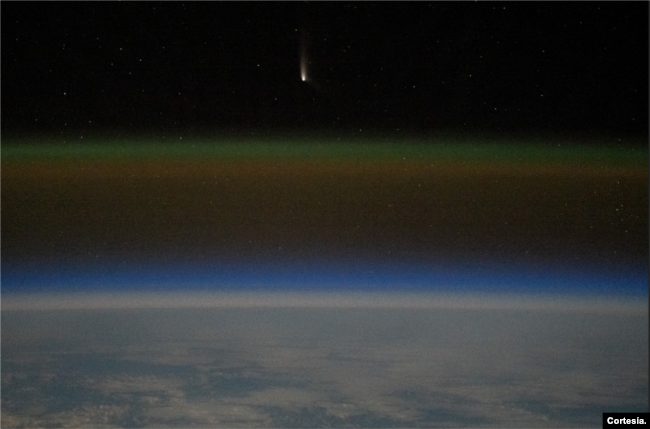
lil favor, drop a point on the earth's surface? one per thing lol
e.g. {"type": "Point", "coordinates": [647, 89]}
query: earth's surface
{"type": "Point", "coordinates": [321, 367]}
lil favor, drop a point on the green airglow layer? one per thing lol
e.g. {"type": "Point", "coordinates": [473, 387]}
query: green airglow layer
{"type": "Point", "coordinates": [488, 152]}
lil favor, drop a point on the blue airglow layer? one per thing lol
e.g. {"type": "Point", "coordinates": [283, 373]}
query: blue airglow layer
{"type": "Point", "coordinates": [367, 278]}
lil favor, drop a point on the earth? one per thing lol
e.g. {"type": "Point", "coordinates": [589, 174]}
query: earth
{"type": "Point", "coordinates": [321, 367]}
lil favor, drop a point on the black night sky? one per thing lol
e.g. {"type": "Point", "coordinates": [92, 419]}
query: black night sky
{"type": "Point", "coordinates": [417, 67]}
{"type": "Point", "coordinates": [103, 180]}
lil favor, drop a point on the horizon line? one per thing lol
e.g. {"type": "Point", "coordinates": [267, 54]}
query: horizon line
{"type": "Point", "coordinates": [388, 300]}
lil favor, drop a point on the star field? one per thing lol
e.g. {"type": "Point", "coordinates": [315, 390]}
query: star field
{"type": "Point", "coordinates": [418, 68]}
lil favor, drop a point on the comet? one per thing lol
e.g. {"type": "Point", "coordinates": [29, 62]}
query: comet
{"type": "Point", "coordinates": [304, 61]}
